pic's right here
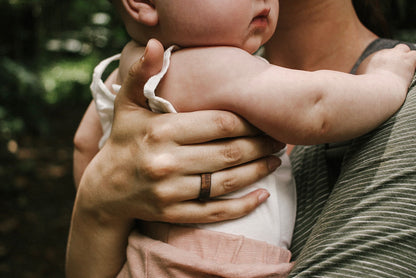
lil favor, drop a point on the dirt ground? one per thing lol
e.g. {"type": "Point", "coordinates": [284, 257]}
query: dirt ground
{"type": "Point", "coordinates": [37, 193]}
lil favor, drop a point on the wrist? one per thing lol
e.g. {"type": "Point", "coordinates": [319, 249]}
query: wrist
{"type": "Point", "coordinates": [97, 239]}
{"type": "Point", "coordinates": [97, 201]}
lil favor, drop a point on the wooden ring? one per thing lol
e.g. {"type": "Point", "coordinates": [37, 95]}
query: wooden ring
{"type": "Point", "coordinates": [205, 191]}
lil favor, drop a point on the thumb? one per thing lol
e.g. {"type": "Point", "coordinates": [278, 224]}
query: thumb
{"type": "Point", "coordinates": [147, 66]}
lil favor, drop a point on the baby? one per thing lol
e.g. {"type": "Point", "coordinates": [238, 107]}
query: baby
{"type": "Point", "coordinates": [291, 106]}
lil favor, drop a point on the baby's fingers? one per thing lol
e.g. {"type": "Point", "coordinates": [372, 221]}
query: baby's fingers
{"type": "Point", "coordinates": [409, 54]}
{"type": "Point", "coordinates": [412, 57]}
{"type": "Point", "coordinates": [402, 47]}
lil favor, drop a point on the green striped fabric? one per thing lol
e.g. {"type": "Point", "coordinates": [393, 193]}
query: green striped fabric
{"type": "Point", "coordinates": [365, 224]}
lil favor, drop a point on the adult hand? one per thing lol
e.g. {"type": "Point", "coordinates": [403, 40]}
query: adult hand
{"type": "Point", "coordinates": [150, 167]}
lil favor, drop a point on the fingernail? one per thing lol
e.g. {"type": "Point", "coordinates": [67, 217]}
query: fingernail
{"type": "Point", "coordinates": [273, 162]}
{"type": "Point", "coordinates": [263, 196]}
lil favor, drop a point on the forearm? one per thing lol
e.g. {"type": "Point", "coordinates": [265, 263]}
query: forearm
{"type": "Point", "coordinates": [323, 106]}
{"type": "Point", "coordinates": [94, 249]}
{"type": "Point", "coordinates": [97, 242]}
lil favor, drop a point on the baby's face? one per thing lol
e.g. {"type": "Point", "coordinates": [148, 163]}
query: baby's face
{"type": "Point", "coordinates": [242, 23]}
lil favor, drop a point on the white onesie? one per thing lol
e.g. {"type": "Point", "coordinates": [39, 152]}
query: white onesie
{"type": "Point", "coordinates": [273, 221]}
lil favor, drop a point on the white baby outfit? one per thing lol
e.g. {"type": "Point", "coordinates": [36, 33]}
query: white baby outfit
{"type": "Point", "coordinates": [272, 222]}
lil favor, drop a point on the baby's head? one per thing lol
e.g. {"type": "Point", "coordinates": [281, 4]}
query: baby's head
{"type": "Point", "coordinates": [246, 24]}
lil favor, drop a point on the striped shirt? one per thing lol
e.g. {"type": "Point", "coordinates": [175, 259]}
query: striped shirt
{"type": "Point", "coordinates": [361, 223]}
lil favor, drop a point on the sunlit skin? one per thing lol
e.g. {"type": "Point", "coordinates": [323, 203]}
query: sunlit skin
{"type": "Point", "coordinates": [311, 35]}
{"type": "Point", "coordinates": [245, 24]}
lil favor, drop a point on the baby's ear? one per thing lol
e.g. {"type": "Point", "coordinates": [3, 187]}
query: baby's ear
{"type": "Point", "coordinates": [143, 11]}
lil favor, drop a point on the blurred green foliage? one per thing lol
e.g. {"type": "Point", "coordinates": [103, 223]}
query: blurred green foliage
{"type": "Point", "coordinates": [48, 51]}
{"type": "Point", "coordinates": [50, 47]}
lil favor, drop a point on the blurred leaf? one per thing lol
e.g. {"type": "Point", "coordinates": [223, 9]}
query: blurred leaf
{"type": "Point", "coordinates": [60, 78]}
{"type": "Point", "coordinates": [20, 100]}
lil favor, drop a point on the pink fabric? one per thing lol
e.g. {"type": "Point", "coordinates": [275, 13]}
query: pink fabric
{"type": "Point", "coordinates": [174, 251]}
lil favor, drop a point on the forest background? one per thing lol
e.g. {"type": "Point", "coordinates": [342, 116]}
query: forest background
{"type": "Point", "coordinates": [48, 50]}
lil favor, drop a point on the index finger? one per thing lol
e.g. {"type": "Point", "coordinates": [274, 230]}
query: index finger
{"type": "Point", "coordinates": [204, 126]}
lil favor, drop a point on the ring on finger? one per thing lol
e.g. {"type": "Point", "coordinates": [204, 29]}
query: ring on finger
{"type": "Point", "coordinates": [205, 190]}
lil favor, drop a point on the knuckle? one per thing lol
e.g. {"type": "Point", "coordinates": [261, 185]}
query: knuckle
{"type": "Point", "coordinates": [159, 166]}
{"type": "Point", "coordinates": [232, 154]}
{"type": "Point", "coordinates": [134, 70]}
{"type": "Point", "coordinates": [226, 122]}
{"type": "Point", "coordinates": [156, 133]}
{"type": "Point", "coordinates": [158, 212]}
{"type": "Point", "coordinates": [166, 213]}
{"type": "Point", "coordinates": [229, 184]}
{"type": "Point", "coordinates": [160, 196]}
{"type": "Point", "coordinates": [218, 215]}
{"type": "Point", "coordinates": [158, 205]}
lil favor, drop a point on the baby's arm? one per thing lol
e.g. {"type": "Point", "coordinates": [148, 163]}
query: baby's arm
{"type": "Point", "coordinates": [86, 140]}
{"type": "Point", "coordinates": [87, 136]}
{"type": "Point", "coordinates": [292, 106]}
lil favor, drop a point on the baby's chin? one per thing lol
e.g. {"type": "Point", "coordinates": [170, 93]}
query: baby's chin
{"type": "Point", "coordinates": [252, 48]}
{"type": "Point", "coordinates": [253, 45]}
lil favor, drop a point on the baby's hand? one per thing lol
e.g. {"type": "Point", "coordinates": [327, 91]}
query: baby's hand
{"type": "Point", "coordinates": [396, 66]}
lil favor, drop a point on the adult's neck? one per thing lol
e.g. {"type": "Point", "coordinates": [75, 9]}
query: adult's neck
{"type": "Point", "coordinates": [318, 34]}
